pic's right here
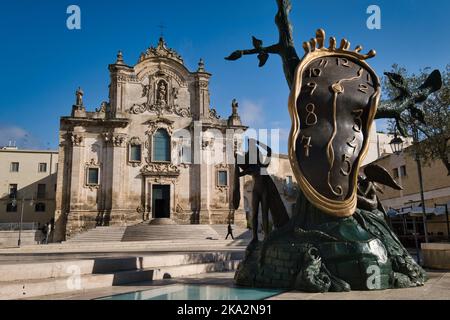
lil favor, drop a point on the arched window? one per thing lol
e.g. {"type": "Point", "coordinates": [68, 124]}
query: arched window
{"type": "Point", "coordinates": [161, 146]}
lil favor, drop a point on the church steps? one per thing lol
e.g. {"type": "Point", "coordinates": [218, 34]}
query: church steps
{"type": "Point", "coordinates": [33, 279]}
{"type": "Point", "coordinates": [101, 246]}
{"type": "Point", "coordinates": [56, 269]}
{"type": "Point", "coordinates": [146, 232]}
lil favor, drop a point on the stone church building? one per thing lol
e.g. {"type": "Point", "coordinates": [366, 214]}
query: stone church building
{"type": "Point", "coordinates": [142, 156]}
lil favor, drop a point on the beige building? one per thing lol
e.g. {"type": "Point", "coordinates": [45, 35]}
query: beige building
{"type": "Point", "coordinates": [436, 182]}
{"type": "Point", "coordinates": [379, 145]}
{"type": "Point", "coordinates": [29, 175]}
{"type": "Point", "coordinates": [155, 151]}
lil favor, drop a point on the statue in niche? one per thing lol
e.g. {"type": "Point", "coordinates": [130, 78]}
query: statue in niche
{"type": "Point", "coordinates": [175, 92]}
{"type": "Point", "coordinates": [162, 93]}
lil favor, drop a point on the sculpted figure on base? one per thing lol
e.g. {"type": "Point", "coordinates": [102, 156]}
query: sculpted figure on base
{"type": "Point", "coordinates": [265, 192]}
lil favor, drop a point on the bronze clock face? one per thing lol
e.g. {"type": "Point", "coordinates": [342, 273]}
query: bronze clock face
{"type": "Point", "coordinates": [334, 106]}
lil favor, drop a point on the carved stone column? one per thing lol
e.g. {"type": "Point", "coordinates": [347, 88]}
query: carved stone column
{"type": "Point", "coordinates": [206, 179]}
{"type": "Point", "coordinates": [62, 190]}
{"type": "Point", "coordinates": [77, 176]}
{"type": "Point", "coordinates": [120, 210]}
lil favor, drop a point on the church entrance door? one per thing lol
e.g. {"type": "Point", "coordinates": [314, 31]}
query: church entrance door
{"type": "Point", "coordinates": [161, 201]}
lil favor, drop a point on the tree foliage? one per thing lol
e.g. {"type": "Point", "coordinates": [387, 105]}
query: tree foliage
{"type": "Point", "coordinates": [434, 134]}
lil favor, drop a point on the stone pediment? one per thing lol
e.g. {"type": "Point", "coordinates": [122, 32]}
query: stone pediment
{"type": "Point", "coordinates": [162, 94]}
{"type": "Point", "coordinates": [159, 123]}
{"type": "Point", "coordinates": [161, 51]}
{"type": "Point", "coordinates": [161, 169]}
{"type": "Point", "coordinates": [160, 109]}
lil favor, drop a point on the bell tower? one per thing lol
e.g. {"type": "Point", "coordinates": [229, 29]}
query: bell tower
{"type": "Point", "coordinates": [202, 99]}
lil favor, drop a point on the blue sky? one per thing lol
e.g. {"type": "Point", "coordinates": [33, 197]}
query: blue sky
{"type": "Point", "coordinates": [43, 62]}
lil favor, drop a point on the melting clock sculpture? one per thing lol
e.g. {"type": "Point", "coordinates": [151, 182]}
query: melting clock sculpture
{"type": "Point", "coordinates": [337, 238]}
{"type": "Point", "coordinates": [333, 104]}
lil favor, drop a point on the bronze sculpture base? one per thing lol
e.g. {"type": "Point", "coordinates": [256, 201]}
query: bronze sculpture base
{"type": "Point", "coordinates": [318, 253]}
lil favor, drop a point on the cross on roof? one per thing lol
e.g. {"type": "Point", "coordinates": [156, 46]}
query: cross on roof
{"type": "Point", "coordinates": [162, 27]}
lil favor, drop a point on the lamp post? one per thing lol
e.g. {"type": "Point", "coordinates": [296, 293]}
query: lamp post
{"type": "Point", "coordinates": [14, 204]}
{"type": "Point", "coordinates": [397, 145]}
{"type": "Point", "coordinates": [415, 234]}
{"type": "Point", "coordinates": [419, 171]}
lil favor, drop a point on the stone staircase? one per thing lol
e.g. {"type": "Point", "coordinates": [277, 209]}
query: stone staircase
{"type": "Point", "coordinates": [22, 281]}
{"type": "Point", "coordinates": [147, 232]}
{"type": "Point", "coordinates": [239, 233]}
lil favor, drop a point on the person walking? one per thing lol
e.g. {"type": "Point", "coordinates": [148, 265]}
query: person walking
{"type": "Point", "coordinates": [45, 234]}
{"type": "Point", "coordinates": [48, 231]}
{"type": "Point", "coordinates": [230, 232]}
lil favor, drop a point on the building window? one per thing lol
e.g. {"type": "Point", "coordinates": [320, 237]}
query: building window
{"type": "Point", "coordinates": [184, 151]}
{"type": "Point", "coordinates": [13, 191]}
{"type": "Point", "coordinates": [42, 167]}
{"type": "Point", "coordinates": [222, 178]}
{"type": "Point", "coordinates": [14, 167]}
{"type": "Point", "coordinates": [161, 146]}
{"type": "Point", "coordinates": [288, 184]}
{"type": "Point", "coordinates": [403, 172]}
{"type": "Point", "coordinates": [395, 173]}
{"type": "Point", "coordinates": [41, 191]}
{"type": "Point", "coordinates": [186, 157]}
{"type": "Point", "coordinates": [40, 207]}
{"type": "Point", "coordinates": [289, 181]}
{"type": "Point", "coordinates": [93, 176]}
{"type": "Point", "coordinates": [135, 153]}
{"type": "Point", "coordinates": [11, 208]}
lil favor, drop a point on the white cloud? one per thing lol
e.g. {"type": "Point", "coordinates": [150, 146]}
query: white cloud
{"type": "Point", "coordinates": [18, 136]}
{"type": "Point", "coordinates": [252, 114]}
{"type": "Point", "coordinates": [283, 136]}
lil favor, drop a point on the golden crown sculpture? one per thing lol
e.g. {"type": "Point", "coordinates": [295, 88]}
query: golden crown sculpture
{"type": "Point", "coordinates": [318, 44]}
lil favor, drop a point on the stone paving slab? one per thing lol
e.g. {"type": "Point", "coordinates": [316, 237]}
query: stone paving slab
{"type": "Point", "coordinates": [437, 288]}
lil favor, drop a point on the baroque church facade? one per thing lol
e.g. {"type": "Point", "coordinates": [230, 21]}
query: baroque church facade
{"type": "Point", "coordinates": [145, 155]}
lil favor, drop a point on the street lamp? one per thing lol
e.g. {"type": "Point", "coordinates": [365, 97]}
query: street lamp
{"type": "Point", "coordinates": [14, 204]}
{"type": "Point", "coordinates": [397, 144]}
{"type": "Point", "coordinates": [419, 171]}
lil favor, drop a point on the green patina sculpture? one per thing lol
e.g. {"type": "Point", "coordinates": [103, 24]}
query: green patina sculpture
{"type": "Point", "coordinates": [338, 238]}
{"type": "Point", "coordinates": [265, 193]}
